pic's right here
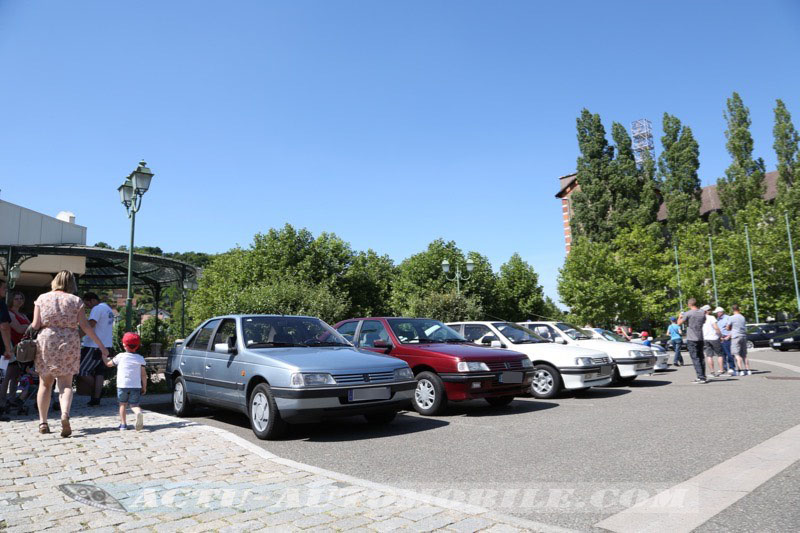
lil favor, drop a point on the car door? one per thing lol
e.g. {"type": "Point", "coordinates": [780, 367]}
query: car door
{"type": "Point", "coordinates": [193, 359]}
{"type": "Point", "coordinates": [371, 331]}
{"type": "Point", "coordinates": [223, 370]}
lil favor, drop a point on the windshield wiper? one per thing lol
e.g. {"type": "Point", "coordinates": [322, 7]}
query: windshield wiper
{"type": "Point", "coordinates": [323, 343]}
{"type": "Point", "coordinates": [423, 340]}
{"type": "Point", "coordinates": [528, 341]}
{"type": "Point", "coordinates": [271, 344]}
{"type": "Point", "coordinates": [456, 340]}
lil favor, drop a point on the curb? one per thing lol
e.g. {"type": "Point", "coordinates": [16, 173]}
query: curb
{"type": "Point", "coordinates": [451, 505]}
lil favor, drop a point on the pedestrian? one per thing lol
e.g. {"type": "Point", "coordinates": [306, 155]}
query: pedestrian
{"type": "Point", "coordinates": [711, 342]}
{"type": "Point", "coordinates": [18, 325]}
{"type": "Point", "coordinates": [131, 379]}
{"type": "Point", "coordinates": [58, 314]}
{"type": "Point", "coordinates": [101, 318]}
{"type": "Point", "coordinates": [674, 331]}
{"type": "Point", "coordinates": [694, 319]}
{"type": "Point", "coordinates": [5, 331]}
{"type": "Point", "coordinates": [739, 342]}
{"type": "Point", "coordinates": [724, 323]}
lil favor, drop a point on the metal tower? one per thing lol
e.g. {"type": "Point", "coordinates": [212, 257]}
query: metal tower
{"type": "Point", "coordinates": [642, 133]}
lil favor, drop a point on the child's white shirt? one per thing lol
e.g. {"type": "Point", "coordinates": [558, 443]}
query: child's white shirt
{"type": "Point", "coordinates": [129, 373]}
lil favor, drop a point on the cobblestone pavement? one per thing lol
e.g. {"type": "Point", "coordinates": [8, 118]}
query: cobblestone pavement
{"type": "Point", "coordinates": [177, 475]}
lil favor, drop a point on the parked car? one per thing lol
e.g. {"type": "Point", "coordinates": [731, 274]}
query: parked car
{"type": "Point", "coordinates": [284, 369]}
{"type": "Point", "coordinates": [447, 367]}
{"type": "Point", "coordinates": [631, 359]}
{"type": "Point", "coordinates": [760, 335]}
{"type": "Point", "coordinates": [665, 342]}
{"type": "Point", "coordinates": [662, 357]}
{"type": "Point", "coordinates": [786, 341]}
{"type": "Point", "coordinates": [555, 367]}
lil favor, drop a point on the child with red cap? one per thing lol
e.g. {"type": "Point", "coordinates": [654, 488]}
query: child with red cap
{"type": "Point", "coordinates": [131, 379]}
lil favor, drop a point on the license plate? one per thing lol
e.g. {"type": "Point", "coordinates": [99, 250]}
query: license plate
{"type": "Point", "coordinates": [511, 377]}
{"type": "Point", "coordinates": [361, 395]}
{"type": "Point", "coordinates": [605, 370]}
{"type": "Point", "coordinates": [776, 344]}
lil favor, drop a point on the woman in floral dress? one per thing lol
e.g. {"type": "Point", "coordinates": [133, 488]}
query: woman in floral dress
{"type": "Point", "coordinates": [57, 314]}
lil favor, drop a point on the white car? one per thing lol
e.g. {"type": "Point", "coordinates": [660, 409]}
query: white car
{"type": "Point", "coordinates": [555, 367]}
{"type": "Point", "coordinates": [662, 357]}
{"type": "Point", "coordinates": [632, 360]}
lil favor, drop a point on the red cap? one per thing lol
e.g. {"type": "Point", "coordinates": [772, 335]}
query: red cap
{"type": "Point", "coordinates": [131, 340]}
{"type": "Point", "coordinates": [644, 334]}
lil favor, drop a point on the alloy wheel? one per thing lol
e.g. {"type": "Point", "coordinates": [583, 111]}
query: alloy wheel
{"type": "Point", "coordinates": [542, 381]}
{"type": "Point", "coordinates": [425, 394]}
{"type": "Point", "coordinates": [177, 397]}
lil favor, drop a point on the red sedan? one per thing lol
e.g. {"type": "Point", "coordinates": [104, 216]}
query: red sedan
{"type": "Point", "coordinates": [447, 366]}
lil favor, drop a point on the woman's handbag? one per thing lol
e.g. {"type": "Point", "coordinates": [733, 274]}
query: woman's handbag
{"type": "Point", "coordinates": [26, 348]}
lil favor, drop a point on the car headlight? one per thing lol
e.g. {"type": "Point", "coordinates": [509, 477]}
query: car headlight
{"type": "Point", "coordinates": [402, 374]}
{"type": "Point", "coordinates": [526, 363]}
{"type": "Point", "coordinates": [583, 361]}
{"type": "Point", "coordinates": [787, 339]}
{"type": "Point", "coordinates": [311, 380]}
{"type": "Point", "coordinates": [465, 366]}
{"type": "Point", "coordinates": [635, 353]}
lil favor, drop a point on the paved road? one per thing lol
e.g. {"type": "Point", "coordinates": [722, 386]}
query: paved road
{"type": "Point", "coordinates": [575, 460]}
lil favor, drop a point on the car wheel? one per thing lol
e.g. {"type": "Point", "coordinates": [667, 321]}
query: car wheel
{"type": "Point", "coordinates": [429, 396]}
{"type": "Point", "coordinates": [380, 419]}
{"type": "Point", "coordinates": [783, 349]}
{"type": "Point", "coordinates": [546, 382]}
{"type": "Point", "coordinates": [181, 404]}
{"type": "Point", "coordinates": [265, 420]}
{"type": "Point", "coordinates": [750, 345]}
{"type": "Point", "coordinates": [500, 401]}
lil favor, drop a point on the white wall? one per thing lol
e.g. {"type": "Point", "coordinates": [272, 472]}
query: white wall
{"type": "Point", "coordinates": [19, 225]}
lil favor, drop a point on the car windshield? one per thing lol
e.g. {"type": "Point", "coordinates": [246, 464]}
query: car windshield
{"type": "Point", "coordinates": [610, 335]}
{"type": "Point", "coordinates": [517, 334]}
{"type": "Point", "coordinates": [423, 330]}
{"type": "Point", "coordinates": [281, 331]}
{"type": "Point", "coordinates": [572, 332]}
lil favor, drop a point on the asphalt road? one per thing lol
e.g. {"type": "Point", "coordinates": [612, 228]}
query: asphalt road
{"type": "Point", "coordinates": [574, 460]}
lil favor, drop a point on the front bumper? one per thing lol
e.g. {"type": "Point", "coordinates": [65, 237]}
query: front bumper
{"type": "Point", "coordinates": [784, 345]}
{"type": "Point", "coordinates": [314, 404]}
{"type": "Point", "coordinates": [474, 385]}
{"type": "Point", "coordinates": [580, 377]}
{"type": "Point", "coordinates": [635, 366]}
{"type": "Point", "coordinates": [662, 362]}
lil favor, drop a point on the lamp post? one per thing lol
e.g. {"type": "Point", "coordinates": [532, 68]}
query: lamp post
{"type": "Point", "coordinates": [458, 278]}
{"type": "Point", "coordinates": [130, 194]}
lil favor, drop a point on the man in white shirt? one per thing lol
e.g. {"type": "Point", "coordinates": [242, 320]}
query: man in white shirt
{"type": "Point", "coordinates": [101, 318]}
{"type": "Point", "coordinates": [711, 341]}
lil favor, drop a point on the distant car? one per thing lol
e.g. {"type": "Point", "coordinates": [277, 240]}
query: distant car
{"type": "Point", "coordinates": [555, 367]}
{"type": "Point", "coordinates": [760, 335]}
{"type": "Point", "coordinates": [786, 341]}
{"type": "Point", "coordinates": [662, 358]}
{"type": "Point", "coordinates": [284, 369]}
{"type": "Point", "coordinates": [447, 366]}
{"type": "Point", "coordinates": [666, 342]}
{"type": "Point", "coordinates": [632, 360]}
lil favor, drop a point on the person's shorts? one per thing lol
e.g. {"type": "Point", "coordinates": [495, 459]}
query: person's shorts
{"type": "Point", "coordinates": [739, 346]}
{"type": "Point", "coordinates": [130, 396]}
{"type": "Point", "coordinates": [713, 348]}
{"type": "Point", "coordinates": [92, 362]}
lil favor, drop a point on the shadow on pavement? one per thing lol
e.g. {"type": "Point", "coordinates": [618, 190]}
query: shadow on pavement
{"type": "Point", "coordinates": [147, 428]}
{"type": "Point", "coordinates": [481, 408]}
{"type": "Point", "coordinates": [356, 428]}
{"type": "Point", "coordinates": [645, 383]}
{"type": "Point", "coordinates": [598, 393]}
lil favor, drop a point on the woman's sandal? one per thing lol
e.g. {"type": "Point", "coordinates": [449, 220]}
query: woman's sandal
{"type": "Point", "coordinates": [66, 430]}
{"type": "Point", "coordinates": [44, 428]}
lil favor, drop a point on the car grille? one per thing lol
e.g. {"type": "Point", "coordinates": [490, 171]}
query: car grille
{"type": "Point", "coordinates": [600, 360]}
{"type": "Point", "coordinates": [364, 377]}
{"type": "Point", "coordinates": [505, 365]}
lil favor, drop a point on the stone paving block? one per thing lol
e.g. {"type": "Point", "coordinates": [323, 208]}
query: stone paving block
{"type": "Point", "coordinates": [313, 521]}
{"type": "Point", "coordinates": [132, 524]}
{"type": "Point", "coordinates": [177, 525]}
{"type": "Point", "coordinates": [213, 525]}
{"type": "Point", "coordinates": [418, 513]}
{"type": "Point", "coordinates": [434, 522]}
{"type": "Point", "coordinates": [470, 525]}
{"type": "Point", "coordinates": [346, 524]}
{"type": "Point", "coordinates": [503, 528]}
{"type": "Point", "coordinates": [391, 524]}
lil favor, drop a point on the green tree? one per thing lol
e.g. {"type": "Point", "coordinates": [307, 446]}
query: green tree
{"type": "Point", "coordinates": [369, 283]}
{"type": "Point", "coordinates": [786, 150]}
{"type": "Point", "coordinates": [520, 295]}
{"type": "Point", "coordinates": [626, 183]}
{"type": "Point", "coordinates": [744, 178]}
{"type": "Point", "coordinates": [677, 169]}
{"type": "Point", "coordinates": [445, 306]}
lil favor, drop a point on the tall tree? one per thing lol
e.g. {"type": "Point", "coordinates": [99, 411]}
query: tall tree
{"type": "Point", "coordinates": [677, 169]}
{"type": "Point", "coordinates": [625, 182]}
{"type": "Point", "coordinates": [786, 150]}
{"type": "Point", "coordinates": [520, 295]}
{"type": "Point", "coordinates": [744, 178]}
{"type": "Point", "coordinates": [592, 204]}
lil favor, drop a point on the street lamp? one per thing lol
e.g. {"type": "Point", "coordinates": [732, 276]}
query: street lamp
{"type": "Point", "coordinates": [458, 278]}
{"type": "Point", "coordinates": [130, 194]}
{"type": "Point", "coordinates": [13, 275]}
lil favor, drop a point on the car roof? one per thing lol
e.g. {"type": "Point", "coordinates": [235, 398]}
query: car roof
{"type": "Point", "coordinates": [253, 315]}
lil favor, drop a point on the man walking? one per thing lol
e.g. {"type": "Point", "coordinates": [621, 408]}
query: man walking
{"type": "Point", "coordinates": [739, 342]}
{"type": "Point", "coordinates": [675, 337]}
{"type": "Point", "coordinates": [694, 320]}
{"type": "Point", "coordinates": [711, 342]}
{"type": "Point", "coordinates": [724, 322]}
{"type": "Point", "coordinates": [101, 318]}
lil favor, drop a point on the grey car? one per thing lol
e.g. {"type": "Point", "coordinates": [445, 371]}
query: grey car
{"type": "Point", "coordinates": [285, 369]}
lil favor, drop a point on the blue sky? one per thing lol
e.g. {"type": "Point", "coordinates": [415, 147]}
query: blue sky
{"type": "Point", "coordinates": [388, 123]}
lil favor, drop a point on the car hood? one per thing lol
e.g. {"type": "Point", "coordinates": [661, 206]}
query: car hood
{"type": "Point", "coordinates": [612, 348]}
{"type": "Point", "coordinates": [327, 359]}
{"type": "Point", "coordinates": [793, 334]}
{"type": "Point", "coordinates": [557, 352]}
{"type": "Point", "coordinates": [465, 351]}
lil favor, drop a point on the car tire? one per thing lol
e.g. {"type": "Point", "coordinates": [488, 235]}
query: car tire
{"type": "Point", "coordinates": [783, 349]}
{"type": "Point", "coordinates": [750, 345]}
{"type": "Point", "coordinates": [430, 397]}
{"type": "Point", "coordinates": [379, 419]}
{"type": "Point", "coordinates": [181, 404]}
{"type": "Point", "coordinates": [546, 382]}
{"type": "Point", "coordinates": [500, 401]}
{"type": "Point", "coordinates": [619, 380]}
{"type": "Point", "coordinates": [265, 420]}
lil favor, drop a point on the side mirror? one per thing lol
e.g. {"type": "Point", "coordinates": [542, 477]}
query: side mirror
{"type": "Point", "coordinates": [489, 340]}
{"type": "Point", "coordinates": [221, 347]}
{"type": "Point", "coordinates": [497, 344]}
{"type": "Point", "coordinates": [386, 345]}
{"type": "Point", "coordinates": [560, 340]}
{"type": "Point", "coordinates": [232, 344]}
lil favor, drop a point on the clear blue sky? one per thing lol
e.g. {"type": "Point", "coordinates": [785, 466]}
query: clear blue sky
{"type": "Point", "coordinates": [390, 123]}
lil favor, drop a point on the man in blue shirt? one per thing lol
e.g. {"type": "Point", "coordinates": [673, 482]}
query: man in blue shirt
{"type": "Point", "coordinates": [724, 323]}
{"type": "Point", "coordinates": [674, 331]}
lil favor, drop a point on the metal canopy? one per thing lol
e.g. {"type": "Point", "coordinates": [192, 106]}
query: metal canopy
{"type": "Point", "coordinates": [108, 269]}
